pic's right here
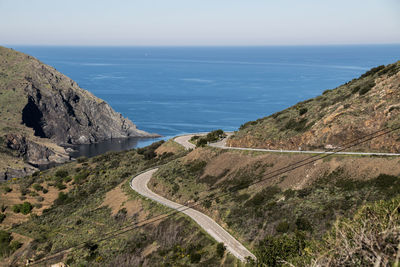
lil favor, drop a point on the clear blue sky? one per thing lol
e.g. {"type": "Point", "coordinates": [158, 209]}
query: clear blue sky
{"type": "Point", "coordinates": [199, 22]}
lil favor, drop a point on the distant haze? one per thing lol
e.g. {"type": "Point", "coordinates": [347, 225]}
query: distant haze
{"type": "Point", "coordinates": [201, 22]}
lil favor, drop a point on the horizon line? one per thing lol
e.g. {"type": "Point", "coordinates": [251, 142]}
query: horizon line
{"type": "Point", "coordinates": [199, 46]}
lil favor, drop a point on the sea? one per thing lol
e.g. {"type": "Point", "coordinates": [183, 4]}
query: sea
{"type": "Point", "coordinates": [178, 90]}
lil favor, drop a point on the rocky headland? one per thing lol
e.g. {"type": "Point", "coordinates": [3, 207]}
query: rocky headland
{"type": "Point", "coordinates": [42, 110]}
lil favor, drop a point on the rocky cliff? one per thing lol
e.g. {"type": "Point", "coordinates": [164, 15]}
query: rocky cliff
{"type": "Point", "coordinates": [353, 110]}
{"type": "Point", "coordinates": [42, 109]}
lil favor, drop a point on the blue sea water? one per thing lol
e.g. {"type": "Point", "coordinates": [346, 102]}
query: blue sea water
{"type": "Point", "coordinates": [176, 90]}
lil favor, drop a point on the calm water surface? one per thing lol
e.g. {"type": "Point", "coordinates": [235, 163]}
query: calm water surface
{"type": "Point", "coordinates": [177, 90]}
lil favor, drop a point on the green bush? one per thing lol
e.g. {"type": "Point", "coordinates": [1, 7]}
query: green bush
{"type": "Point", "coordinates": [63, 198]}
{"type": "Point", "coordinates": [296, 125]}
{"type": "Point", "coordinates": [82, 159]}
{"type": "Point", "coordinates": [24, 208]}
{"type": "Point", "coordinates": [207, 203]}
{"type": "Point", "coordinates": [194, 138]}
{"type": "Point", "coordinates": [16, 208]}
{"type": "Point", "coordinates": [2, 217]}
{"type": "Point", "coordinates": [302, 111]}
{"type": "Point", "coordinates": [372, 71]}
{"type": "Point", "coordinates": [264, 196]}
{"type": "Point", "coordinates": [303, 224]}
{"type": "Point", "coordinates": [149, 151]}
{"type": "Point", "coordinates": [45, 190]}
{"type": "Point", "coordinates": [289, 193]}
{"type": "Point", "coordinates": [366, 87]}
{"type": "Point", "coordinates": [60, 185]}
{"type": "Point", "coordinates": [220, 250]}
{"type": "Point", "coordinates": [272, 251]}
{"type": "Point", "coordinates": [201, 142]}
{"type": "Point", "coordinates": [81, 176]}
{"type": "Point", "coordinates": [5, 239]}
{"type": "Point", "coordinates": [7, 189]}
{"type": "Point", "coordinates": [282, 227]}
{"type": "Point", "coordinates": [37, 187]}
{"type": "Point", "coordinates": [61, 173]}
{"type": "Point", "coordinates": [356, 89]}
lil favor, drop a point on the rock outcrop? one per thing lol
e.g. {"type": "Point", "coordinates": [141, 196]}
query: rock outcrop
{"type": "Point", "coordinates": [42, 110]}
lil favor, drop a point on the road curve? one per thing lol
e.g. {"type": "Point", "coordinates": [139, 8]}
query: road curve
{"type": "Point", "coordinates": [184, 141]}
{"type": "Point", "coordinates": [139, 184]}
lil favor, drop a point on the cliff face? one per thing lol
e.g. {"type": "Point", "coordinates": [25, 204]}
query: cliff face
{"type": "Point", "coordinates": [353, 110]}
{"type": "Point", "coordinates": [41, 109]}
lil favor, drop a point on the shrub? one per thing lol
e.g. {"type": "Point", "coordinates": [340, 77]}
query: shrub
{"type": "Point", "coordinates": [366, 87]}
{"type": "Point", "coordinates": [5, 239]}
{"type": "Point", "coordinates": [385, 180]}
{"type": "Point", "coordinates": [273, 250]}
{"type": "Point", "coordinates": [16, 208]}
{"type": "Point", "coordinates": [121, 215]}
{"type": "Point", "coordinates": [303, 111]}
{"type": "Point", "coordinates": [26, 208]}
{"type": "Point", "coordinates": [264, 196]}
{"type": "Point", "coordinates": [373, 71]}
{"type": "Point", "coordinates": [25, 191]}
{"type": "Point", "coordinates": [82, 159]}
{"type": "Point", "coordinates": [194, 138]}
{"type": "Point", "coordinates": [45, 190]}
{"type": "Point", "coordinates": [201, 142]}
{"type": "Point", "coordinates": [303, 225]}
{"type": "Point", "coordinates": [7, 189]}
{"type": "Point", "coordinates": [2, 217]}
{"type": "Point", "coordinates": [61, 173]}
{"type": "Point", "coordinates": [282, 227]}
{"type": "Point", "coordinates": [81, 176]}
{"type": "Point", "coordinates": [356, 89]}
{"type": "Point", "coordinates": [194, 257]}
{"type": "Point", "coordinates": [297, 125]}
{"type": "Point", "coordinates": [289, 193]}
{"type": "Point", "coordinates": [207, 203]}
{"type": "Point", "coordinates": [63, 198]}
{"type": "Point", "coordinates": [149, 151]}
{"type": "Point", "coordinates": [60, 185]}
{"type": "Point", "coordinates": [37, 187]}
{"type": "Point", "coordinates": [371, 236]}
{"type": "Point", "coordinates": [220, 250]}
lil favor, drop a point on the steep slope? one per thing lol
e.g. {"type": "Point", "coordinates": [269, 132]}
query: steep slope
{"type": "Point", "coordinates": [41, 109]}
{"type": "Point", "coordinates": [89, 200]}
{"type": "Point", "coordinates": [355, 109]}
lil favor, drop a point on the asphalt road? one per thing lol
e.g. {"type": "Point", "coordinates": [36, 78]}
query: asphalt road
{"type": "Point", "coordinates": [184, 141]}
{"type": "Point", "coordinates": [139, 184]}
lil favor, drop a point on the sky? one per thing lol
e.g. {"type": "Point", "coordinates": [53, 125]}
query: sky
{"type": "Point", "coordinates": [199, 22]}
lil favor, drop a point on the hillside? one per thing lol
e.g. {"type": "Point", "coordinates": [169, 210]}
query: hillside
{"type": "Point", "coordinates": [42, 109]}
{"type": "Point", "coordinates": [85, 201]}
{"type": "Point", "coordinates": [339, 210]}
{"type": "Point", "coordinates": [355, 109]}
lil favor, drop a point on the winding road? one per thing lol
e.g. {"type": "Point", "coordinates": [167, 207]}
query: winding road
{"type": "Point", "coordinates": [139, 184]}
{"type": "Point", "coordinates": [184, 141]}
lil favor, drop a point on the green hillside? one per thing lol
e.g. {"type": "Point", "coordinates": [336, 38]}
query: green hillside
{"type": "Point", "coordinates": [355, 109]}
